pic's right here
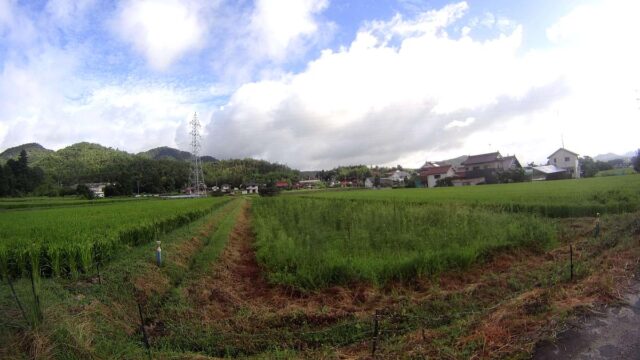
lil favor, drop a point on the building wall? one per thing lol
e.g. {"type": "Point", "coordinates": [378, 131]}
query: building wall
{"type": "Point", "coordinates": [566, 160]}
{"type": "Point", "coordinates": [431, 179]}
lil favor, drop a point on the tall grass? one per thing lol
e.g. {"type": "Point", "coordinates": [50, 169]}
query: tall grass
{"type": "Point", "coordinates": [312, 243]}
{"type": "Point", "coordinates": [70, 240]}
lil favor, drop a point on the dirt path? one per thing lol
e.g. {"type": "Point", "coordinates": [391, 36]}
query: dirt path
{"type": "Point", "coordinates": [238, 283]}
{"type": "Point", "coordinates": [614, 334]}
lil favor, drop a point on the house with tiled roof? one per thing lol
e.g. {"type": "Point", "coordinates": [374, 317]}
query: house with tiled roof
{"type": "Point", "coordinates": [484, 168]}
{"type": "Point", "coordinates": [431, 174]}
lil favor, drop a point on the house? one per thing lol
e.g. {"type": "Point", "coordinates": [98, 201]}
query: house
{"type": "Point", "coordinates": [567, 160]}
{"type": "Point", "coordinates": [484, 168]}
{"type": "Point", "coordinates": [225, 188]}
{"type": "Point", "coordinates": [431, 174]}
{"type": "Point", "coordinates": [510, 163]}
{"type": "Point", "coordinates": [251, 188]}
{"type": "Point", "coordinates": [282, 184]}
{"type": "Point", "coordinates": [97, 189]}
{"type": "Point", "coordinates": [548, 172]}
{"type": "Point", "coordinates": [399, 176]}
{"type": "Point", "coordinates": [369, 183]}
{"type": "Point", "coordinates": [215, 188]}
{"type": "Point", "coordinates": [309, 184]}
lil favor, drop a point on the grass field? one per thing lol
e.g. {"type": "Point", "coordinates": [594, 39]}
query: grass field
{"type": "Point", "coordinates": [70, 239]}
{"type": "Point", "coordinates": [462, 273]}
{"type": "Point", "coordinates": [616, 172]}
{"type": "Point", "coordinates": [312, 243]}
{"type": "Point", "coordinates": [561, 198]}
{"type": "Point", "coordinates": [45, 202]}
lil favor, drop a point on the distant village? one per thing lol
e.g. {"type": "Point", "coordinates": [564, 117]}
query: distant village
{"type": "Point", "coordinates": [479, 169]}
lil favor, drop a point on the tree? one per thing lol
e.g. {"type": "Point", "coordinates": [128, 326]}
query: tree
{"type": "Point", "coordinates": [444, 182]}
{"type": "Point", "coordinates": [636, 161]}
{"type": "Point", "coordinates": [591, 167]}
{"type": "Point", "coordinates": [84, 191]}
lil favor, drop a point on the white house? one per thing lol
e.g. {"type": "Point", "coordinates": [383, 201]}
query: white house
{"type": "Point", "coordinates": [252, 189]}
{"type": "Point", "coordinates": [565, 159]}
{"type": "Point", "coordinates": [431, 175]}
{"type": "Point", "coordinates": [97, 189]}
{"type": "Point", "coordinates": [368, 183]}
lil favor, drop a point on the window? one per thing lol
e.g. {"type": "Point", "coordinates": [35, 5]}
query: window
{"type": "Point", "coordinates": [555, 160]}
{"type": "Point", "coordinates": [486, 166]}
{"type": "Point", "coordinates": [476, 168]}
{"type": "Point", "coordinates": [566, 159]}
{"type": "Point", "coordinates": [436, 176]}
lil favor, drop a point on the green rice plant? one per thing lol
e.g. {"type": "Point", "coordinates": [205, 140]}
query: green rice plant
{"type": "Point", "coordinates": [68, 240]}
{"type": "Point", "coordinates": [312, 243]}
{"type": "Point", "coordinates": [561, 198]}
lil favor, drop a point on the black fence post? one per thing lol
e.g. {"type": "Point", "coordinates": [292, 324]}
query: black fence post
{"type": "Point", "coordinates": [145, 338]}
{"type": "Point", "coordinates": [571, 260]}
{"type": "Point", "coordinates": [15, 296]}
{"type": "Point", "coordinates": [376, 331]}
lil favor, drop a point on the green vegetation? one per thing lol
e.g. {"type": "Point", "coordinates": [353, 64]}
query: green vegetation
{"type": "Point", "coordinates": [242, 171]}
{"type": "Point", "coordinates": [312, 243]}
{"type": "Point", "coordinates": [68, 240]}
{"type": "Point", "coordinates": [46, 202]}
{"type": "Point", "coordinates": [562, 198]}
{"type": "Point", "coordinates": [616, 172]}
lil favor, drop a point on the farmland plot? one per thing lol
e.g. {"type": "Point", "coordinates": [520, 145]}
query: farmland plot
{"type": "Point", "coordinates": [311, 243]}
{"type": "Point", "coordinates": [58, 240]}
{"type": "Point", "coordinates": [562, 198]}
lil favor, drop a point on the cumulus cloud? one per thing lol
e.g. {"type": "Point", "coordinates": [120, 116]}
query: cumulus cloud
{"type": "Point", "coordinates": [389, 94]}
{"type": "Point", "coordinates": [277, 25]}
{"type": "Point", "coordinates": [162, 31]}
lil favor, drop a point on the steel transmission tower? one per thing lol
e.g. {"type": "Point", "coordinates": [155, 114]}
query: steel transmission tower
{"type": "Point", "coordinates": [198, 186]}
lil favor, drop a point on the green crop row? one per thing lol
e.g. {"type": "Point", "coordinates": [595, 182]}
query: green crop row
{"type": "Point", "coordinates": [60, 241]}
{"type": "Point", "coordinates": [28, 203]}
{"type": "Point", "coordinates": [561, 198]}
{"type": "Point", "coordinates": [312, 243]}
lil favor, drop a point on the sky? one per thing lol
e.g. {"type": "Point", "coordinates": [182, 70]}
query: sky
{"type": "Point", "coordinates": [319, 83]}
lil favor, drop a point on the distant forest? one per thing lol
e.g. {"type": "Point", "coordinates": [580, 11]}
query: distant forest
{"type": "Point", "coordinates": [31, 169]}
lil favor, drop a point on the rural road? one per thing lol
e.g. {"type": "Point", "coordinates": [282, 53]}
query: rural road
{"type": "Point", "coordinates": [614, 335]}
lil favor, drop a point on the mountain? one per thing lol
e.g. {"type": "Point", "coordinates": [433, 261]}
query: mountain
{"type": "Point", "coordinates": [35, 152]}
{"type": "Point", "coordinates": [611, 156]}
{"type": "Point", "coordinates": [165, 152]}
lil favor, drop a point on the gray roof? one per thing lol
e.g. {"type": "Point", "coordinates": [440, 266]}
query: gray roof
{"type": "Point", "coordinates": [549, 169]}
{"type": "Point", "coordinates": [482, 158]}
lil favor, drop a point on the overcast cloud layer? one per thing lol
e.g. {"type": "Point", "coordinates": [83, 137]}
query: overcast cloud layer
{"type": "Point", "coordinates": [299, 83]}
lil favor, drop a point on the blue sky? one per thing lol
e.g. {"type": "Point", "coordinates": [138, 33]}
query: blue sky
{"type": "Point", "coordinates": [320, 83]}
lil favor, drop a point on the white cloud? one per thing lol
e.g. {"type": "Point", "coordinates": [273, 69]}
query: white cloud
{"type": "Point", "coordinates": [460, 123]}
{"type": "Point", "coordinates": [162, 30]}
{"type": "Point", "coordinates": [388, 95]}
{"type": "Point", "coordinates": [278, 26]}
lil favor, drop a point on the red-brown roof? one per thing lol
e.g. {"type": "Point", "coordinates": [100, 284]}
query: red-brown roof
{"type": "Point", "coordinates": [435, 170]}
{"type": "Point", "coordinates": [482, 158]}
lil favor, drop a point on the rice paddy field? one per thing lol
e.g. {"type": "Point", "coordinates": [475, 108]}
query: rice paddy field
{"type": "Point", "coordinates": [456, 273]}
{"type": "Point", "coordinates": [71, 239]}
{"type": "Point", "coordinates": [562, 198]}
{"type": "Point", "coordinates": [46, 202]}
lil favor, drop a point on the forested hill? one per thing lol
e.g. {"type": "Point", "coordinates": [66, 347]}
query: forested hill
{"type": "Point", "coordinates": [168, 153]}
{"type": "Point", "coordinates": [159, 170]}
{"type": "Point", "coordinates": [34, 151]}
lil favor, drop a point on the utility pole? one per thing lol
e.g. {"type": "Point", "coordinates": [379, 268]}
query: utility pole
{"type": "Point", "coordinates": [198, 186]}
